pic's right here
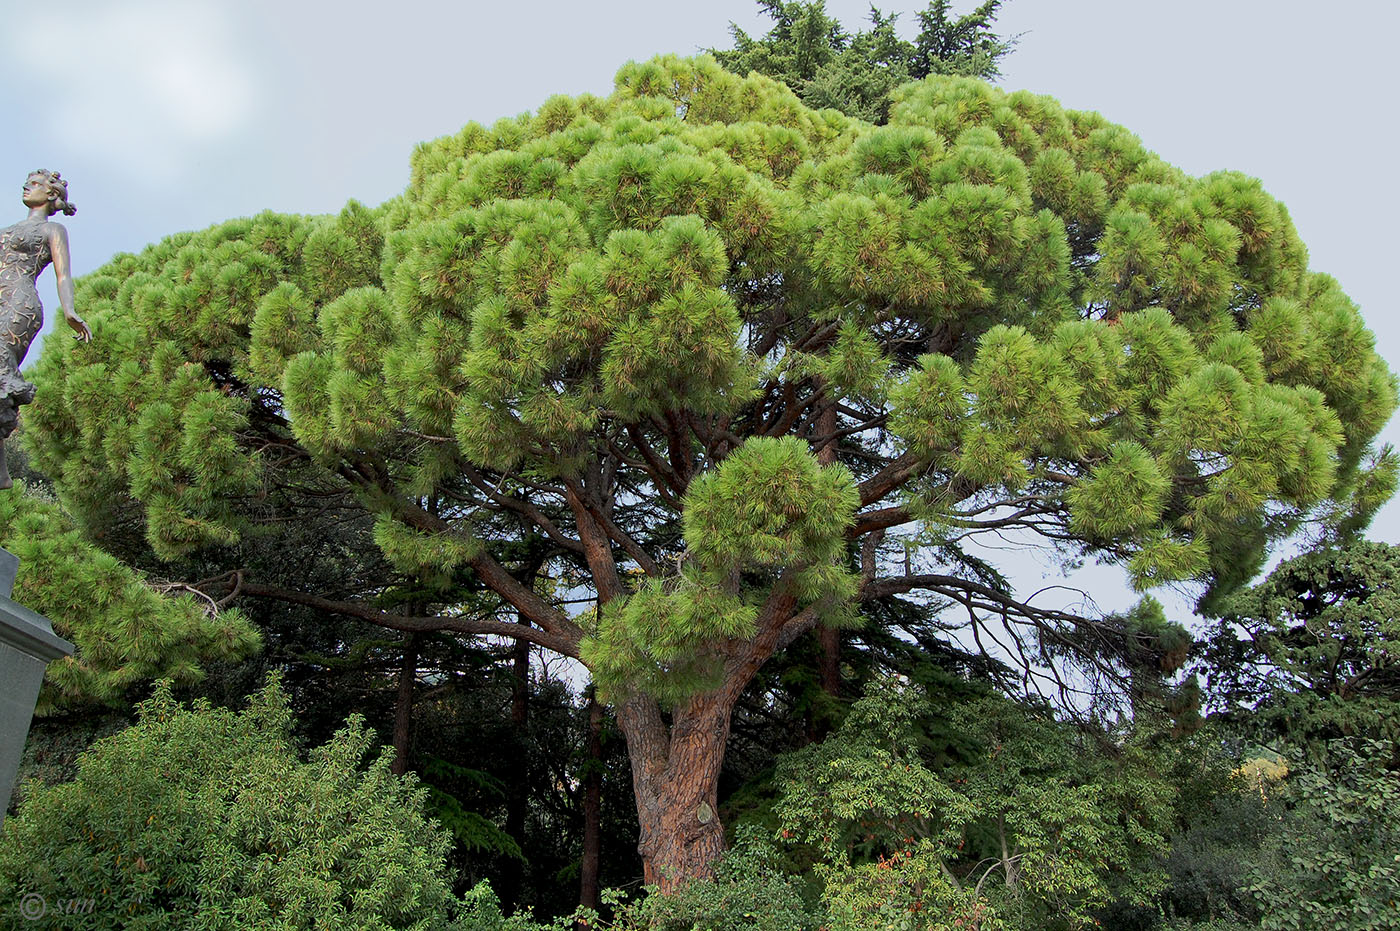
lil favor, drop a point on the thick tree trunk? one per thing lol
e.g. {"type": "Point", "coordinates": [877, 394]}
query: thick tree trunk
{"type": "Point", "coordinates": [675, 768]}
{"type": "Point", "coordinates": [676, 780]}
{"type": "Point", "coordinates": [403, 705]}
{"type": "Point", "coordinates": [592, 808]}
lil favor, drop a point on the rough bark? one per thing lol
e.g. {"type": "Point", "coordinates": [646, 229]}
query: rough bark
{"type": "Point", "coordinates": [675, 768]}
{"type": "Point", "coordinates": [675, 777]}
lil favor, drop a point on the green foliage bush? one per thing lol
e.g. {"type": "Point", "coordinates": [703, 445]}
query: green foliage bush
{"type": "Point", "coordinates": [202, 818]}
{"type": "Point", "coordinates": [480, 910]}
{"type": "Point", "coordinates": [1031, 831]}
{"type": "Point", "coordinates": [749, 893]}
{"type": "Point", "coordinates": [1210, 859]}
{"type": "Point", "coordinates": [1333, 859]}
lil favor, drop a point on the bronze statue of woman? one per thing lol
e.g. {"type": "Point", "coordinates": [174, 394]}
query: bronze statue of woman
{"type": "Point", "coordinates": [25, 250]}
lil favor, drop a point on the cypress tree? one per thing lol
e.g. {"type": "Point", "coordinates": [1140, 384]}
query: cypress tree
{"type": "Point", "coordinates": [614, 331]}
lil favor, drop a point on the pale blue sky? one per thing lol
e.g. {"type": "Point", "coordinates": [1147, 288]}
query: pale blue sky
{"type": "Point", "coordinates": [175, 115]}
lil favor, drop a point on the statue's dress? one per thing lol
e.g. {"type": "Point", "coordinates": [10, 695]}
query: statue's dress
{"type": "Point", "coordinates": [24, 253]}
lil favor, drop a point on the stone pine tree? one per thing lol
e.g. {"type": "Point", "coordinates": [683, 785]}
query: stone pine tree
{"type": "Point", "coordinates": [856, 73]}
{"type": "Point", "coordinates": [738, 367]}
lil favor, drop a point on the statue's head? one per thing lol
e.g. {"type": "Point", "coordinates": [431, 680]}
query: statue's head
{"type": "Point", "coordinates": [51, 187]}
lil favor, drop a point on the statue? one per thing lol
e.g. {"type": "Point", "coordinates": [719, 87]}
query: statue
{"type": "Point", "coordinates": [25, 249]}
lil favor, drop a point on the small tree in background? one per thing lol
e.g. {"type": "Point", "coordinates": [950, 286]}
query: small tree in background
{"type": "Point", "coordinates": [1312, 653]}
{"type": "Point", "coordinates": [1037, 828]}
{"type": "Point", "coordinates": [856, 73]}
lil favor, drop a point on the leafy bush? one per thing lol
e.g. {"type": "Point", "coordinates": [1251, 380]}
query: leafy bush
{"type": "Point", "coordinates": [1031, 825]}
{"type": "Point", "coordinates": [748, 893]}
{"type": "Point", "coordinates": [1334, 859]}
{"type": "Point", "coordinates": [481, 911]}
{"type": "Point", "coordinates": [1211, 857]}
{"type": "Point", "coordinates": [202, 818]}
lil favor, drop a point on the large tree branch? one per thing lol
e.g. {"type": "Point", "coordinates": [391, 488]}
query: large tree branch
{"type": "Point", "coordinates": [525, 509]}
{"type": "Point", "coordinates": [678, 445]}
{"type": "Point", "coordinates": [660, 472]}
{"type": "Point", "coordinates": [492, 574]}
{"type": "Point", "coordinates": [830, 436]}
{"type": "Point", "coordinates": [524, 600]}
{"type": "Point", "coordinates": [797, 625]}
{"type": "Point", "coordinates": [649, 750]}
{"type": "Point", "coordinates": [747, 657]}
{"type": "Point", "coordinates": [560, 642]}
{"type": "Point", "coordinates": [773, 335]}
{"type": "Point", "coordinates": [882, 519]}
{"type": "Point", "coordinates": [597, 550]}
{"type": "Point", "coordinates": [792, 410]}
{"type": "Point", "coordinates": [631, 546]}
{"type": "Point", "coordinates": [899, 471]}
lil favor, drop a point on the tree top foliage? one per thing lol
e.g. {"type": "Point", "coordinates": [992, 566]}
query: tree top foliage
{"type": "Point", "coordinates": [699, 334]}
{"type": "Point", "coordinates": [827, 66]}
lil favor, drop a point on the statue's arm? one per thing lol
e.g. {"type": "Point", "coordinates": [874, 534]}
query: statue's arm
{"type": "Point", "coordinates": [58, 248]}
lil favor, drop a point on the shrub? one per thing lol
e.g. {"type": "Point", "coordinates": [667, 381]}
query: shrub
{"type": "Point", "coordinates": [749, 893]}
{"type": "Point", "coordinates": [203, 818]}
{"type": "Point", "coordinates": [1333, 860]}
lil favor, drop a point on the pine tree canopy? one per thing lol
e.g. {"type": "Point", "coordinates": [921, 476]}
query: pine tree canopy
{"type": "Point", "coordinates": [628, 326]}
{"type": "Point", "coordinates": [126, 631]}
{"type": "Point", "coordinates": [736, 366]}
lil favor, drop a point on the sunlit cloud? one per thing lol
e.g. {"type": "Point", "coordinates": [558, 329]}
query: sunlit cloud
{"type": "Point", "coordinates": [142, 82]}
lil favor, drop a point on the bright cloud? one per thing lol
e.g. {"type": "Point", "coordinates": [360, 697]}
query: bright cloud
{"type": "Point", "coordinates": [141, 81]}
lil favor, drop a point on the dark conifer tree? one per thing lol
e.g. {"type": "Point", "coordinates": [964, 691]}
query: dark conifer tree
{"type": "Point", "coordinates": [826, 66]}
{"type": "Point", "coordinates": [1312, 653]}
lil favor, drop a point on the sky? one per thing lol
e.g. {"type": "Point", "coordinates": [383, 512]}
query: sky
{"type": "Point", "coordinates": [167, 116]}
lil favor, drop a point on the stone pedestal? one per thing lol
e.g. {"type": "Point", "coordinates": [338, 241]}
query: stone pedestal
{"type": "Point", "coordinates": [27, 645]}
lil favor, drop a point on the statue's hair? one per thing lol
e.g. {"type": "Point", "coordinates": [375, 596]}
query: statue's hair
{"type": "Point", "coordinates": [56, 183]}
